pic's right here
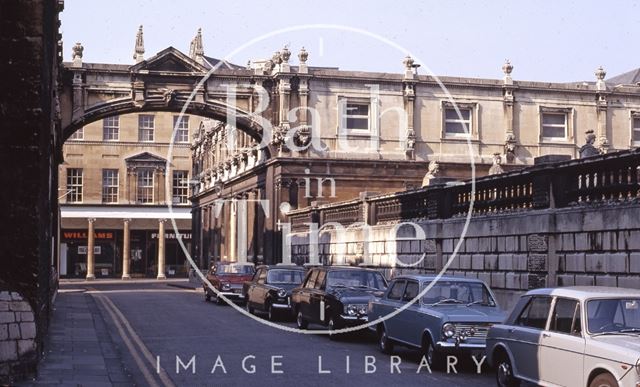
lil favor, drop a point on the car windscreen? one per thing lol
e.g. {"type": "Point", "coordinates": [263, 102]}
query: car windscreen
{"type": "Point", "coordinates": [356, 279]}
{"type": "Point", "coordinates": [234, 269]}
{"type": "Point", "coordinates": [458, 292]}
{"type": "Point", "coordinates": [613, 315]}
{"type": "Point", "coordinates": [280, 276]}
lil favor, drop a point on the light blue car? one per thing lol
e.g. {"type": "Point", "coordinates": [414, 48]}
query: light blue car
{"type": "Point", "coordinates": [453, 316]}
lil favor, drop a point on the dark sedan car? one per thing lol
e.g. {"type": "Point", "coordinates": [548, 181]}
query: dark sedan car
{"type": "Point", "coordinates": [336, 296]}
{"type": "Point", "coordinates": [270, 289]}
{"type": "Point", "coordinates": [227, 278]}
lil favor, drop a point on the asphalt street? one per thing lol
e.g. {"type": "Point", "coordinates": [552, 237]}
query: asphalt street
{"type": "Point", "coordinates": [169, 336]}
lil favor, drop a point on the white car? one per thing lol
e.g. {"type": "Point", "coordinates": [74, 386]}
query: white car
{"type": "Point", "coordinates": [572, 336]}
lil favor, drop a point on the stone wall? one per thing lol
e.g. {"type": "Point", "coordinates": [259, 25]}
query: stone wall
{"type": "Point", "coordinates": [573, 222]}
{"type": "Point", "coordinates": [512, 253]}
{"type": "Point", "coordinates": [30, 148]}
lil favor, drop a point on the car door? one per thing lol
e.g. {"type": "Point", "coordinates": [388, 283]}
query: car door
{"type": "Point", "coordinates": [391, 302]}
{"type": "Point", "coordinates": [259, 290]}
{"type": "Point", "coordinates": [524, 337]}
{"type": "Point", "coordinates": [564, 344]}
{"type": "Point", "coordinates": [317, 301]}
{"type": "Point", "coordinates": [410, 320]}
{"type": "Point", "coordinates": [304, 294]}
{"type": "Point", "coordinates": [251, 287]}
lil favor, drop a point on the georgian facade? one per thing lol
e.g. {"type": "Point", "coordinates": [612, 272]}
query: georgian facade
{"type": "Point", "coordinates": [375, 133]}
{"type": "Point", "coordinates": [116, 183]}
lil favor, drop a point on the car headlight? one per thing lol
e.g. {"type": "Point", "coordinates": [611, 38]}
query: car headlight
{"type": "Point", "coordinates": [226, 286]}
{"type": "Point", "coordinates": [282, 293]}
{"type": "Point", "coordinates": [448, 330]}
{"type": "Point", "coordinates": [356, 309]}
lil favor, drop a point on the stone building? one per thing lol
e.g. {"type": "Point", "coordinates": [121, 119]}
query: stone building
{"type": "Point", "coordinates": [338, 135]}
{"type": "Point", "coordinates": [117, 179]}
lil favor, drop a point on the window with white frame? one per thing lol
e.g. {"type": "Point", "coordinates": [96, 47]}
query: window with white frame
{"type": "Point", "coordinates": [145, 185]}
{"type": "Point", "coordinates": [554, 125]}
{"type": "Point", "coordinates": [180, 187]}
{"type": "Point", "coordinates": [635, 129]}
{"type": "Point", "coordinates": [145, 127]}
{"type": "Point", "coordinates": [111, 128]}
{"type": "Point", "coordinates": [181, 124]}
{"type": "Point", "coordinates": [458, 125]}
{"type": "Point", "coordinates": [74, 185]}
{"type": "Point", "coordinates": [357, 116]}
{"type": "Point", "coordinates": [109, 185]}
{"type": "Point", "coordinates": [77, 135]}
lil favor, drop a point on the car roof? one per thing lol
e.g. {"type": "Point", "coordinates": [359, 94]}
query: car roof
{"type": "Point", "coordinates": [431, 277]}
{"type": "Point", "coordinates": [334, 267]}
{"type": "Point", "coordinates": [586, 292]}
{"type": "Point", "coordinates": [235, 263]}
{"type": "Point", "coordinates": [279, 266]}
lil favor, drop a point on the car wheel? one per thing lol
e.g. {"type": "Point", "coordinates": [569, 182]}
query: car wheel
{"type": "Point", "coordinates": [272, 314]}
{"type": "Point", "coordinates": [434, 358]}
{"type": "Point", "coordinates": [504, 373]}
{"type": "Point", "coordinates": [248, 307]}
{"type": "Point", "coordinates": [219, 300]}
{"type": "Point", "coordinates": [384, 342]}
{"type": "Point", "coordinates": [604, 380]}
{"type": "Point", "coordinates": [331, 325]}
{"type": "Point", "coordinates": [207, 296]}
{"type": "Point", "coordinates": [300, 321]}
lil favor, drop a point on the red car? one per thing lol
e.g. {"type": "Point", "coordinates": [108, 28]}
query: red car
{"type": "Point", "coordinates": [227, 278]}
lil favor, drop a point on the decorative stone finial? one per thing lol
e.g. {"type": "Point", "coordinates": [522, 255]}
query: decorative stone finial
{"type": "Point", "coordinates": [408, 62]}
{"type": "Point", "coordinates": [303, 55]}
{"type": "Point", "coordinates": [496, 168]}
{"type": "Point", "coordinates": [600, 74]}
{"type": "Point", "coordinates": [588, 149]}
{"type": "Point", "coordinates": [76, 55]}
{"type": "Point", "coordinates": [196, 51]}
{"type": "Point", "coordinates": [285, 54]}
{"type": "Point", "coordinates": [507, 68]}
{"type": "Point", "coordinates": [432, 172]}
{"type": "Point", "coordinates": [138, 54]}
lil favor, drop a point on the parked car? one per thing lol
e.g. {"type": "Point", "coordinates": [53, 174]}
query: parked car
{"type": "Point", "coordinates": [336, 296]}
{"type": "Point", "coordinates": [270, 289]}
{"type": "Point", "coordinates": [453, 316]}
{"type": "Point", "coordinates": [228, 278]}
{"type": "Point", "coordinates": [573, 336]}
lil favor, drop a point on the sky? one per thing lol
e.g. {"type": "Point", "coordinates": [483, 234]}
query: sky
{"type": "Point", "coordinates": [554, 41]}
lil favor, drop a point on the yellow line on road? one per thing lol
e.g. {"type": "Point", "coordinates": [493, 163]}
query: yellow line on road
{"type": "Point", "coordinates": [122, 323]}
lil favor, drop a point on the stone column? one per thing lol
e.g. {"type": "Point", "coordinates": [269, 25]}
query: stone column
{"type": "Point", "coordinates": [241, 231]}
{"type": "Point", "coordinates": [161, 274]}
{"type": "Point", "coordinates": [232, 249]}
{"type": "Point", "coordinates": [126, 251]}
{"type": "Point", "coordinates": [90, 257]}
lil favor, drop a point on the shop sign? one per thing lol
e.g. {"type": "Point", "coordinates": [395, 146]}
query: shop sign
{"type": "Point", "coordinates": [83, 235]}
{"type": "Point", "coordinates": [172, 235]}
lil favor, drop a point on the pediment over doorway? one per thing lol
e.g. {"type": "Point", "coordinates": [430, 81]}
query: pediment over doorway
{"type": "Point", "coordinates": [169, 60]}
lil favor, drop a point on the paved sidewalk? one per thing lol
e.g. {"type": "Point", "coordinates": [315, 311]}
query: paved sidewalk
{"type": "Point", "coordinates": [78, 348]}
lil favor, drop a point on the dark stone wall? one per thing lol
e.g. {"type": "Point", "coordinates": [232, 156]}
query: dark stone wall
{"type": "Point", "coordinates": [29, 155]}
